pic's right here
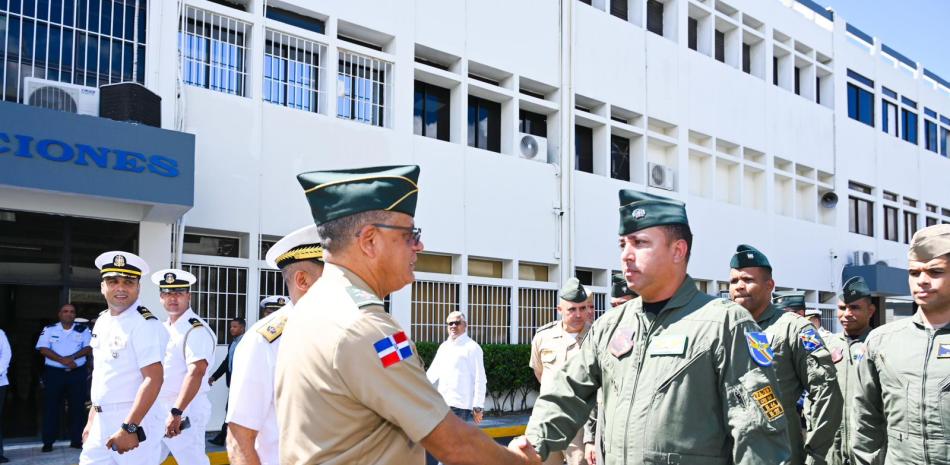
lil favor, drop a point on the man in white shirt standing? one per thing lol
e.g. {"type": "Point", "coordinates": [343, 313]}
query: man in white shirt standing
{"type": "Point", "coordinates": [253, 437]}
{"type": "Point", "coordinates": [4, 364]}
{"type": "Point", "coordinates": [184, 395]}
{"type": "Point", "coordinates": [459, 371]}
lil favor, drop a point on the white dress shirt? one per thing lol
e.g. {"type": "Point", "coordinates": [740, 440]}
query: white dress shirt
{"type": "Point", "coordinates": [252, 385]}
{"type": "Point", "coordinates": [64, 342]}
{"type": "Point", "coordinates": [459, 370]}
{"type": "Point", "coordinates": [122, 345]}
{"type": "Point", "coordinates": [182, 351]}
{"type": "Point", "coordinates": [5, 355]}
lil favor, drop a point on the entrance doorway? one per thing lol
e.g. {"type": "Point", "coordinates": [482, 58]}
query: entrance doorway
{"type": "Point", "coordinates": [45, 262]}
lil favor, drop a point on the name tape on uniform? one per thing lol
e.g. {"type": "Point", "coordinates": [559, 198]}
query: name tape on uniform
{"type": "Point", "coordinates": [769, 403]}
{"type": "Point", "coordinates": [943, 351]}
{"type": "Point", "coordinates": [668, 344]}
{"type": "Point", "coordinates": [393, 349]}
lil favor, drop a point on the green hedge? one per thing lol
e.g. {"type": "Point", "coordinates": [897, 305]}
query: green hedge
{"type": "Point", "coordinates": [506, 367]}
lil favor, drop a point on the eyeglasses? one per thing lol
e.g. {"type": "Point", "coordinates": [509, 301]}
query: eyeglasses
{"type": "Point", "coordinates": [416, 233]}
{"type": "Point", "coordinates": [455, 323]}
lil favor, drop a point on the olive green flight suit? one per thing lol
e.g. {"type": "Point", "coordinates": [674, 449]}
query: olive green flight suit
{"type": "Point", "coordinates": [902, 407]}
{"type": "Point", "coordinates": [846, 352]}
{"type": "Point", "coordinates": [681, 386]}
{"type": "Point", "coordinates": [802, 362]}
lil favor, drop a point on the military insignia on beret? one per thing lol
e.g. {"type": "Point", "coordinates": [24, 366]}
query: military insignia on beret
{"type": "Point", "coordinates": [118, 260]}
{"type": "Point", "coordinates": [639, 213]}
{"type": "Point", "coordinates": [750, 255]}
{"type": "Point", "coordinates": [170, 278]}
{"type": "Point", "coordinates": [810, 340]}
{"type": "Point", "coordinates": [769, 402]}
{"type": "Point", "coordinates": [759, 348]}
{"type": "Point", "coordinates": [943, 351]}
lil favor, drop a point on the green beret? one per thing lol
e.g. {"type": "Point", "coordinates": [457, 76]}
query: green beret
{"type": "Point", "coordinates": [639, 210]}
{"type": "Point", "coordinates": [340, 193]}
{"type": "Point", "coordinates": [792, 299]}
{"type": "Point", "coordinates": [747, 256]}
{"type": "Point", "coordinates": [930, 243]}
{"type": "Point", "coordinates": [618, 287]}
{"type": "Point", "coordinates": [855, 289]}
{"type": "Point", "coordinates": [573, 291]}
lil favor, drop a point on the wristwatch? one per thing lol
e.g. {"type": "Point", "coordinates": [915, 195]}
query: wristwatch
{"type": "Point", "coordinates": [130, 428]}
{"type": "Point", "coordinates": [477, 409]}
{"type": "Point", "coordinates": [176, 412]}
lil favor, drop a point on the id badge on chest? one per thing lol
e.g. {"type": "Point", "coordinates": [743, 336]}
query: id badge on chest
{"type": "Point", "coordinates": [667, 344]}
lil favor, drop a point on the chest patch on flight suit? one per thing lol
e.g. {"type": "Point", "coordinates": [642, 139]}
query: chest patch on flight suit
{"type": "Point", "coordinates": [146, 313]}
{"type": "Point", "coordinates": [769, 403]}
{"type": "Point", "coordinates": [810, 340]}
{"type": "Point", "coordinates": [622, 342]}
{"type": "Point", "coordinates": [943, 351]}
{"type": "Point", "coordinates": [858, 353]}
{"type": "Point", "coordinates": [667, 344]}
{"type": "Point", "coordinates": [837, 355]}
{"type": "Point", "coordinates": [273, 329]}
{"type": "Point", "coordinates": [759, 348]}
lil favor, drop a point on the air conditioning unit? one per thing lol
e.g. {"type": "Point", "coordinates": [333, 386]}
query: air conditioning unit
{"type": "Point", "coordinates": [863, 258]}
{"type": "Point", "coordinates": [660, 176]}
{"type": "Point", "coordinates": [61, 96]}
{"type": "Point", "coordinates": [531, 147]}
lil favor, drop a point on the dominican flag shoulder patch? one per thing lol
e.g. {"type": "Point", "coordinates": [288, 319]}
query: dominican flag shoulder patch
{"type": "Point", "coordinates": [393, 349]}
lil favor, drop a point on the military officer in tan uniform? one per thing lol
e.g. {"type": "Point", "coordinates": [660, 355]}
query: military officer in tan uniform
{"type": "Point", "coordinates": [554, 344]}
{"type": "Point", "coordinates": [902, 406]}
{"type": "Point", "coordinates": [350, 385]}
{"type": "Point", "coordinates": [855, 309]}
{"type": "Point", "coordinates": [686, 378]}
{"type": "Point", "coordinates": [802, 362]}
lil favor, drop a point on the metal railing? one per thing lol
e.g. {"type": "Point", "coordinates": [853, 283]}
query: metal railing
{"type": "Point", "coordinates": [219, 295]}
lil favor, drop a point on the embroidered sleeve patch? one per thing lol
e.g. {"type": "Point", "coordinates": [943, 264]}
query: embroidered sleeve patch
{"type": "Point", "coordinates": [769, 403]}
{"type": "Point", "coordinates": [393, 349]}
{"type": "Point", "coordinates": [810, 340]}
{"type": "Point", "coordinates": [759, 348]}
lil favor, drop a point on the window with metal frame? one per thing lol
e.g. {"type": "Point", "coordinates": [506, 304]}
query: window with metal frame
{"type": "Point", "coordinates": [861, 216]}
{"type": "Point", "coordinates": [930, 136]}
{"type": "Point", "coordinates": [620, 158]}
{"type": "Point", "coordinates": [271, 283]}
{"type": "Point", "coordinates": [484, 124]}
{"type": "Point", "coordinates": [82, 43]}
{"type": "Point", "coordinates": [860, 104]}
{"type": "Point", "coordinates": [910, 225]}
{"type": "Point", "coordinates": [583, 148]}
{"type": "Point", "coordinates": [655, 17]}
{"type": "Point", "coordinates": [618, 8]}
{"type": "Point", "coordinates": [532, 123]}
{"type": "Point", "coordinates": [213, 51]}
{"type": "Point", "coordinates": [431, 111]}
{"type": "Point", "coordinates": [363, 88]}
{"type": "Point", "coordinates": [489, 313]}
{"type": "Point", "coordinates": [293, 71]}
{"type": "Point", "coordinates": [601, 304]}
{"type": "Point", "coordinates": [219, 295]}
{"type": "Point", "coordinates": [909, 126]}
{"type": "Point", "coordinates": [890, 224]}
{"type": "Point", "coordinates": [536, 308]}
{"type": "Point", "coordinates": [889, 118]}
{"type": "Point", "coordinates": [430, 305]}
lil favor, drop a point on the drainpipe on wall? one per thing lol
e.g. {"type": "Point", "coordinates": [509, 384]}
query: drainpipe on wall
{"type": "Point", "coordinates": [565, 209]}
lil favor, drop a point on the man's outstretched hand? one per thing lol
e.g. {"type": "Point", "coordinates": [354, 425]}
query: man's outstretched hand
{"type": "Point", "coordinates": [523, 448]}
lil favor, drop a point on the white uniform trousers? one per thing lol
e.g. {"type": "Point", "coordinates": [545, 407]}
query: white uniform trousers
{"type": "Point", "coordinates": [188, 448]}
{"type": "Point", "coordinates": [107, 422]}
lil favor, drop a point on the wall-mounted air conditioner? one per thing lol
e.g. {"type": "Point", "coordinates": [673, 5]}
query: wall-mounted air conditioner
{"type": "Point", "coordinates": [531, 147]}
{"type": "Point", "coordinates": [660, 176]}
{"type": "Point", "coordinates": [862, 258]}
{"type": "Point", "coordinates": [61, 96]}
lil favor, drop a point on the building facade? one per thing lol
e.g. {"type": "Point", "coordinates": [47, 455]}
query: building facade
{"type": "Point", "coordinates": [777, 122]}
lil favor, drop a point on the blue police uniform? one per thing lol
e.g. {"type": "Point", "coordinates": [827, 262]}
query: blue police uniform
{"type": "Point", "coordinates": [62, 382]}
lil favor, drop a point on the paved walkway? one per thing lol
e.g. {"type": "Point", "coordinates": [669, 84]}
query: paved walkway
{"type": "Point", "coordinates": [500, 428]}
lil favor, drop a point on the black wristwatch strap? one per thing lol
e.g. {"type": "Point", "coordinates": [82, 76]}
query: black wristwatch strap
{"type": "Point", "coordinates": [130, 427]}
{"type": "Point", "coordinates": [176, 412]}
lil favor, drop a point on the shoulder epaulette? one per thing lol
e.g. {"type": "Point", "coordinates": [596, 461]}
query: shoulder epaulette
{"type": "Point", "coordinates": [195, 323]}
{"type": "Point", "coordinates": [79, 327]}
{"type": "Point", "coordinates": [547, 325]}
{"type": "Point", "coordinates": [273, 329]}
{"type": "Point", "coordinates": [362, 298]}
{"type": "Point", "coordinates": [146, 313]}
{"type": "Point", "coordinates": [50, 326]}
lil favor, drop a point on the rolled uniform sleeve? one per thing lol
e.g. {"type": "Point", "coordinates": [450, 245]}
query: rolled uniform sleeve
{"type": "Point", "coordinates": [148, 342]}
{"type": "Point", "coordinates": [870, 424]}
{"type": "Point", "coordinates": [86, 338]}
{"type": "Point", "coordinates": [752, 412]}
{"type": "Point", "coordinates": [481, 382]}
{"type": "Point", "coordinates": [566, 399]}
{"type": "Point", "coordinates": [817, 371]}
{"type": "Point", "coordinates": [252, 383]}
{"type": "Point", "coordinates": [590, 426]}
{"type": "Point", "coordinates": [400, 393]}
